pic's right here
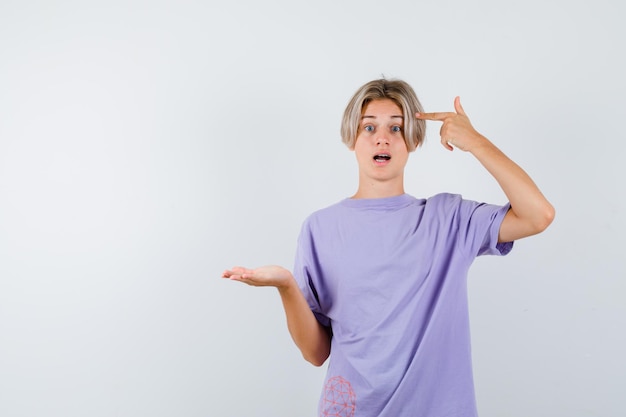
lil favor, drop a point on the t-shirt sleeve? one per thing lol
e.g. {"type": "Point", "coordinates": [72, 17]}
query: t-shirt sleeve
{"type": "Point", "coordinates": [307, 273]}
{"type": "Point", "coordinates": [480, 226]}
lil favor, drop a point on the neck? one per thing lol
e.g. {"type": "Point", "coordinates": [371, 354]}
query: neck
{"type": "Point", "coordinates": [379, 189]}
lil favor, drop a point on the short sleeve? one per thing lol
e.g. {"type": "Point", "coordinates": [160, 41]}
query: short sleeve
{"type": "Point", "coordinates": [480, 227]}
{"type": "Point", "coordinates": [307, 273]}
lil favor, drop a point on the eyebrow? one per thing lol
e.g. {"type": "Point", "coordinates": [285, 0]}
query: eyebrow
{"type": "Point", "coordinates": [373, 117]}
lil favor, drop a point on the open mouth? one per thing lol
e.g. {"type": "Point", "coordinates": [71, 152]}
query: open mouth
{"type": "Point", "coordinates": [382, 157]}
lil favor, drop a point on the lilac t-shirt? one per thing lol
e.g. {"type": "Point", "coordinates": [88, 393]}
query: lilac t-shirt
{"type": "Point", "coordinates": [389, 276]}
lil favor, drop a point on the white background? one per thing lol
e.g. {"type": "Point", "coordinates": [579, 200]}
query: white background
{"type": "Point", "coordinates": [145, 146]}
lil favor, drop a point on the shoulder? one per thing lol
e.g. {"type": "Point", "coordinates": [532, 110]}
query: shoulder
{"type": "Point", "coordinates": [331, 211]}
{"type": "Point", "coordinates": [323, 216]}
{"type": "Point", "coordinates": [450, 201]}
{"type": "Point", "coordinates": [445, 202]}
{"type": "Point", "coordinates": [444, 198]}
{"type": "Point", "coordinates": [455, 208]}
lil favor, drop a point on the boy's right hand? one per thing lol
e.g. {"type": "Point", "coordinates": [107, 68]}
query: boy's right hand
{"type": "Point", "coordinates": [265, 276]}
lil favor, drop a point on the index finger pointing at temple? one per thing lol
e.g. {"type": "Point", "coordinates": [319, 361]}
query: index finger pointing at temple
{"type": "Point", "coordinates": [441, 116]}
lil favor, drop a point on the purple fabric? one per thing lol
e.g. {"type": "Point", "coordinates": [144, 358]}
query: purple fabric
{"type": "Point", "coordinates": [390, 277]}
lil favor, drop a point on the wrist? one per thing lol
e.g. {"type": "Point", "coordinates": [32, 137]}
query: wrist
{"type": "Point", "coordinates": [288, 286]}
{"type": "Point", "coordinates": [479, 145]}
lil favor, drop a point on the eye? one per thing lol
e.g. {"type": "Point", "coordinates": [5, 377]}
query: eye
{"type": "Point", "coordinates": [396, 129]}
{"type": "Point", "coordinates": [368, 128]}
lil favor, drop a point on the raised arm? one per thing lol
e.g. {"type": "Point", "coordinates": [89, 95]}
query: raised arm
{"type": "Point", "coordinates": [310, 336]}
{"type": "Point", "coordinates": [530, 212]}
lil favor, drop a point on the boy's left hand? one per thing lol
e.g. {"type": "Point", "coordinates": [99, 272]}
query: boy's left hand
{"type": "Point", "coordinates": [456, 128]}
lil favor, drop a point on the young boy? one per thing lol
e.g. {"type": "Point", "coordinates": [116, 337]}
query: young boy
{"type": "Point", "coordinates": [380, 278]}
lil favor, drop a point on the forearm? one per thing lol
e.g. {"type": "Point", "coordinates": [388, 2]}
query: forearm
{"type": "Point", "coordinates": [532, 210]}
{"type": "Point", "coordinates": [310, 336]}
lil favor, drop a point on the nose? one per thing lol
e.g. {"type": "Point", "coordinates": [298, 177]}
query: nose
{"type": "Point", "coordinates": [382, 139]}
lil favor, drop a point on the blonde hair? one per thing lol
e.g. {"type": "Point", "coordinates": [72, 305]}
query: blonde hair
{"type": "Point", "coordinates": [397, 91]}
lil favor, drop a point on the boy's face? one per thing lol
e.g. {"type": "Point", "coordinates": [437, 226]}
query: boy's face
{"type": "Point", "coordinates": [380, 148]}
